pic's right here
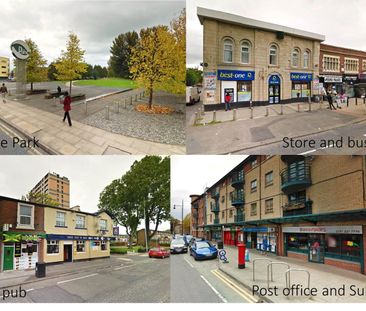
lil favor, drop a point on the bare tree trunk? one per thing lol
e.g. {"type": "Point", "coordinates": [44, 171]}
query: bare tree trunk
{"type": "Point", "coordinates": [151, 95]}
{"type": "Point", "coordinates": [32, 87]}
{"type": "Point", "coordinates": [70, 88]}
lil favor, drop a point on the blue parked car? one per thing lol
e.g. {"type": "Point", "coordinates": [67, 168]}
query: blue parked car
{"type": "Point", "coordinates": [201, 250]}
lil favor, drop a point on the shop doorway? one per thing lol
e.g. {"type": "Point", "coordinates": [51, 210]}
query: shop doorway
{"type": "Point", "coordinates": [67, 253]}
{"type": "Point", "coordinates": [274, 89]}
{"type": "Point", "coordinates": [316, 248]}
{"type": "Point", "coordinates": [8, 258]}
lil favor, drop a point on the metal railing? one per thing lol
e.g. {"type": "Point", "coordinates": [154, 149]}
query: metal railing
{"type": "Point", "coordinates": [239, 218]}
{"type": "Point", "coordinates": [237, 198]}
{"type": "Point", "coordinates": [258, 259]}
{"type": "Point", "coordinates": [270, 269]}
{"type": "Point", "coordinates": [288, 275]}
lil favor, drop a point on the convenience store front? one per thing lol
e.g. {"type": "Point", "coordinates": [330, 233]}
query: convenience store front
{"type": "Point", "coordinates": [340, 246]}
{"type": "Point", "coordinates": [301, 84]}
{"type": "Point", "coordinates": [254, 237]}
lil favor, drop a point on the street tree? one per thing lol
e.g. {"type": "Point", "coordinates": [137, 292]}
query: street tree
{"type": "Point", "coordinates": [121, 53]}
{"type": "Point", "coordinates": [193, 76]}
{"type": "Point", "coordinates": [187, 224]}
{"type": "Point", "coordinates": [152, 64]}
{"type": "Point", "coordinates": [36, 64]}
{"type": "Point", "coordinates": [51, 73]}
{"type": "Point", "coordinates": [37, 197]}
{"type": "Point", "coordinates": [70, 65]}
{"type": "Point", "coordinates": [120, 202]}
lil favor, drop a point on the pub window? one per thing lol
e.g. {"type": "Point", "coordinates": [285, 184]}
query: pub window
{"type": "Point", "coordinates": [245, 52]}
{"type": "Point", "coordinates": [306, 59]}
{"type": "Point", "coordinates": [228, 51]}
{"type": "Point", "coordinates": [103, 224]}
{"type": "Point", "coordinates": [60, 219]}
{"type": "Point", "coordinates": [253, 185]}
{"type": "Point", "coordinates": [80, 222]}
{"type": "Point", "coordinates": [253, 209]}
{"type": "Point", "coordinates": [273, 55]}
{"type": "Point", "coordinates": [25, 215]}
{"type": "Point", "coordinates": [104, 246]}
{"type": "Point", "coordinates": [53, 247]}
{"type": "Point", "coordinates": [295, 58]}
{"type": "Point", "coordinates": [80, 246]}
{"type": "Point", "coordinates": [269, 206]}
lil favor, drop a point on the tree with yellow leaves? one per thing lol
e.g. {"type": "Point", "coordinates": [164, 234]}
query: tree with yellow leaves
{"type": "Point", "coordinates": [70, 65]}
{"type": "Point", "coordinates": [36, 64]}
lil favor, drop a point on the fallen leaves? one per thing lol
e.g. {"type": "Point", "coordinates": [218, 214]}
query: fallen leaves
{"type": "Point", "coordinates": [155, 109]}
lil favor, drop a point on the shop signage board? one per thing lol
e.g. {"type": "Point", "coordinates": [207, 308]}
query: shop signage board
{"type": "Point", "coordinates": [333, 79]}
{"type": "Point", "coordinates": [274, 79]}
{"type": "Point", "coordinates": [324, 229]}
{"type": "Point", "coordinates": [235, 75]}
{"type": "Point", "coordinates": [259, 229]}
{"type": "Point", "coordinates": [298, 76]}
{"type": "Point", "coordinates": [18, 237]}
{"type": "Point", "coordinates": [115, 230]}
{"type": "Point", "coordinates": [77, 237]}
{"type": "Point", "coordinates": [209, 79]}
{"type": "Point", "coordinates": [20, 49]}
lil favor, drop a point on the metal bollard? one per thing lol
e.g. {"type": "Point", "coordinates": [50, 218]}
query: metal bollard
{"type": "Point", "coordinates": [309, 106]}
{"type": "Point", "coordinates": [347, 101]}
{"type": "Point", "coordinates": [234, 115]}
{"type": "Point", "coordinates": [364, 99]}
{"type": "Point", "coordinates": [356, 100]}
{"type": "Point", "coordinates": [267, 112]}
{"type": "Point", "coordinates": [203, 110]}
{"type": "Point", "coordinates": [107, 112]}
{"type": "Point", "coordinates": [298, 107]}
{"type": "Point", "coordinates": [281, 112]}
{"type": "Point", "coordinates": [131, 101]}
{"type": "Point", "coordinates": [195, 118]}
{"type": "Point", "coordinates": [251, 112]}
{"type": "Point", "coordinates": [199, 112]}
{"type": "Point", "coordinates": [86, 107]}
{"type": "Point", "coordinates": [118, 106]}
{"type": "Point", "coordinates": [214, 116]}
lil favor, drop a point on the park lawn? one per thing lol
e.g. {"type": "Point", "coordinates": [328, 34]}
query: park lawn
{"type": "Point", "coordinates": [108, 82]}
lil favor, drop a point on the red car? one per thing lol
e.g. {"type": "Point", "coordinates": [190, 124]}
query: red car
{"type": "Point", "coordinates": [159, 252]}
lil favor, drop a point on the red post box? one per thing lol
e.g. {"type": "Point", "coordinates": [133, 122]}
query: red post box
{"type": "Point", "coordinates": [241, 256]}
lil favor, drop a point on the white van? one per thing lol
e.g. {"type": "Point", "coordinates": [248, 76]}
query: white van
{"type": "Point", "coordinates": [193, 94]}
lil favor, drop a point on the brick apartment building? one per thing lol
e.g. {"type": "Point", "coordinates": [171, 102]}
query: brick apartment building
{"type": "Point", "coordinates": [312, 208]}
{"type": "Point", "coordinates": [343, 68]}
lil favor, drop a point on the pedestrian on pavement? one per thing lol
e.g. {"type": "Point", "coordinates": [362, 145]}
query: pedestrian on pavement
{"type": "Point", "coordinates": [227, 101]}
{"type": "Point", "coordinates": [265, 246]}
{"type": "Point", "coordinates": [335, 97]}
{"type": "Point", "coordinates": [59, 90]}
{"type": "Point", "coordinates": [3, 92]}
{"type": "Point", "coordinates": [67, 108]}
{"type": "Point", "coordinates": [330, 100]}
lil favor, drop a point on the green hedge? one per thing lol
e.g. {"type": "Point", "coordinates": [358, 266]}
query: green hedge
{"type": "Point", "coordinates": [117, 250]}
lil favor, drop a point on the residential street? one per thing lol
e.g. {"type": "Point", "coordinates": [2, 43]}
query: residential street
{"type": "Point", "coordinates": [133, 278]}
{"type": "Point", "coordinates": [200, 281]}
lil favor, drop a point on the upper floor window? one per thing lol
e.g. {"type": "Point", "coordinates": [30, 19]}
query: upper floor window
{"type": "Point", "coordinates": [273, 55]}
{"type": "Point", "coordinates": [351, 65]}
{"type": "Point", "coordinates": [331, 63]}
{"type": "Point", "coordinates": [80, 221]}
{"type": "Point", "coordinates": [269, 178]}
{"type": "Point", "coordinates": [60, 219]}
{"type": "Point", "coordinates": [25, 216]}
{"type": "Point", "coordinates": [228, 51]}
{"type": "Point", "coordinates": [245, 52]}
{"type": "Point", "coordinates": [254, 163]}
{"type": "Point", "coordinates": [363, 65]}
{"type": "Point", "coordinates": [253, 209]}
{"type": "Point", "coordinates": [295, 58]}
{"type": "Point", "coordinates": [103, 224]}
{"type": "Point", "coordinates": [268, 206]}
{"type": "Point", "coordinates": [253, 185]}
{"type": "Point", "coordinates": [306, 60]}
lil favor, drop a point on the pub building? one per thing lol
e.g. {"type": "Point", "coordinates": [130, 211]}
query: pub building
{"type": "Point", "coordinates": [255, 62]}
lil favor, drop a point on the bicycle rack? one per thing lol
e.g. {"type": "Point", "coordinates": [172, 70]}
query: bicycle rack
{"type": "Point", "coordinates": [269, 268]}
{"type": "Point", "coordinates": [288, 272]}
{"type": "Point", "coordinates": [258, 259]}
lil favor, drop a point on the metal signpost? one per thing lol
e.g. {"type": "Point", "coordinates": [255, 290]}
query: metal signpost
{"type": "Point", "coordinates": [20, 51]}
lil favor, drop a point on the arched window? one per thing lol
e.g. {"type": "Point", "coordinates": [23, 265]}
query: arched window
{"type": "Point", "coordinates": [245, 52]}
{"type": "Point", "coordinates": [273, 55]}
{"type": "Point", "coordinates": [228, 51]}
{"type": "Point", "coordinates": [306, 59]}
{"type": "Point", "coordinates": [295, 58]}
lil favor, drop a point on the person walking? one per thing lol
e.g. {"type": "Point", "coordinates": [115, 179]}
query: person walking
{"type": "Point", "coordinates": [67, 108]}
{"type": "Point", "coordinates": [3, 92]}
{"type": "Point", "coordinates": [330, 100]}
{"type": "Point", "coordinates": [227, 101]}
{"type": "Point", "coordinates": [265, 245]}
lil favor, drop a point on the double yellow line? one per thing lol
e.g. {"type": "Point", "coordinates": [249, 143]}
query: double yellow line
{"type": "Point", "coordinates": [240, 291]}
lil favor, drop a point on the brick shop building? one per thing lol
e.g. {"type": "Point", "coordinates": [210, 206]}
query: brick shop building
{"type": "Point", "coordinates": [311, 208]}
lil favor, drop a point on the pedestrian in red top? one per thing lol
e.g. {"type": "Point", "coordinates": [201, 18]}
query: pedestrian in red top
{"type": "Point", "coordinates": [227, 101]}
{"type": "Point", "coordinates": [67, 108]}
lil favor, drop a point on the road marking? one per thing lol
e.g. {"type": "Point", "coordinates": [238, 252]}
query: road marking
{"type": "Point", "coordinates": [82, 277]}
{"type": "Point", "coordinates": [125, 259]}
{"type": "Point", "coordinates": [235, 287]}
{"type": "Point", "coordinates": [27, 290]}
{"type": "Point", "coordinates": [120, 268]}
{"type": "Point", "coordinates": [214, 289]}
{"type": "Point", "coordinates": [189, 262]}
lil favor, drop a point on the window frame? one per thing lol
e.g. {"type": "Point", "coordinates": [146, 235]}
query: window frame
{"type": "Point", "coordinates": [306, 60]}
{"type": "Point", "coordinates": [253, 189]}
{"type": "Point", "coordinates": [76, 222]}
{"type": "Point", "coordinates": [57, 224]}
{"type": "Point", "coordinates": [106, 225]}
{"type": "Point", "coordinates": [273, 47]}
{"type": "Point", "coordinates": [268, 183]}
{"type": "Point", "coordinates": [253, 209]}
{"type": "Point", "coordinates": [25, 226]}
{"type": "Point", "coordinates": [228, 42]}
{"type": "Point", "coordinates": [57, 244]}
{"type": "Point", "coordinates": [245, 44]}
{"type": "Point", "coordinates": [295, 56]}
{"type": "Point", "coordinates": [268, 209]}
{"type": "Point", "coordinates": [78, 243]}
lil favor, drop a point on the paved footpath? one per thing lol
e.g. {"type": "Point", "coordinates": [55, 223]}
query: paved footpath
{"type": "Point", "coordinates": [321, 276]}
{"type": "Point", "coordinates": [58, 138]}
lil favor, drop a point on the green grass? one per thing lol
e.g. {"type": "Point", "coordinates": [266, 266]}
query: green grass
{"type": "Point", "coordinates": [118, 250]}
{"type": "Point", "coordinates": [125, 248]}
{"type": "Point", "coordinates": [108, 82]}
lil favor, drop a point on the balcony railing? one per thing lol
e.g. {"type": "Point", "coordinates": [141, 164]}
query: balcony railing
{"type": "Point", "coordinates": [239, 218]}
{"type": "Point", "coordinates": [216, 221]}
{"type": "Point", "coordinates": [237, 198]}
{"type": "Point", "coordinates": [215, 207]}
{"type": "Point", "coordinates": [299, 207]}
{"type": "Point", "coordinates": [237, 180]}
{"type": "Point", "coordinates": [215, 194]}
{"type": "Point", "coordinates": [295, 178]}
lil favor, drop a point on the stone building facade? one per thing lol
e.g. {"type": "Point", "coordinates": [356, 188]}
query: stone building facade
{"type": "Point", "coordinates": [255, 61]}
{"type": "Point", "coordinates": [312, 208]}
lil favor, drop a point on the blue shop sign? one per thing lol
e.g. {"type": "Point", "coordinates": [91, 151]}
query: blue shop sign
{"type": "Point", "coordinates": [235, 75]}
{"type": "Point", "coordinates": [274, 79]}
{"type": "Point", "coordinates": [76, 237]}
{"type": "Point", "coordinates": [298, 76]}
{"type": "Point", "coordinates": [258, 229]}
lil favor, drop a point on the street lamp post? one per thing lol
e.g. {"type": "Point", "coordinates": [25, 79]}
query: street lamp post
{"type": "Point", "coordinates": [182, 206]}
{"type": "Point", "coordinates": [149, 196]}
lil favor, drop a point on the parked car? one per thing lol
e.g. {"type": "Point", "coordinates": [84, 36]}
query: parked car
{"type": "Point", "coordinates": [187, 238]}
{"type": "Point", "coordinates": [203, 250]}
{"type": "Point", "coordinates": [159, 252]}
{"type": "Point", "coordinates": [193, 95]}
{"type": "Point", "coordinates": [193, 240]}
{"type": "Point", "coordinates": [178, 246]}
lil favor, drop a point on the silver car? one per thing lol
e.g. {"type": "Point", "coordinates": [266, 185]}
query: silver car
{"type": "Point", "coordinates": [178, 246]}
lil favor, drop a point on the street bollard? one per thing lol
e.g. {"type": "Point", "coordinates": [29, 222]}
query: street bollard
{"type": "Point", "coordinates": [125, 103]}
{"type": "Point", "coordinates": [131, 101]}
{"type": "Point", "coordinates": [195, 118]}
{"type": "Point", "coordinates": [140, 95]}
{"type": "Point", "coordinates": [309, 106]}
{"type": "Point", "coordinates": [298, 107]}
{"type": "Point", "coordinates": [241, 256]}
{"type": "Point", "coordinates": [86, 107]}
{"type": "Point", "coordinates": [107, 112]}
{"type": "Point", "coordinates": [136, 98]}
{"type": "Point", "coordinates": [267, 112]}
{"type": "Point", "coordinates": [203, 110]}
{"type": "Point", "coordinates": [281, 112]}
{"type": "Point", "coordinates": [234, 115]}
{"type": "Point", "coordinates": [54, 101]}
{"type": "Point", "coordinates": [251, 112]}
{"type": "Point", "coordinates": [356, 100]}
{"type": "Point", "coordinates": [347, 101]}
{"type": "Point", "coordinates": [364, 99]}
{"type": "Point", "coordinates": [214, 116]}
{"type": "Point", "coordinates": [199, 112]}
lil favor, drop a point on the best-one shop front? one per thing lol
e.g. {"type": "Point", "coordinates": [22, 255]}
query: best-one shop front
{"type": "Point", "coordinates": [20, 251]}
{"type": "Point", "coordinates": [67, 248]}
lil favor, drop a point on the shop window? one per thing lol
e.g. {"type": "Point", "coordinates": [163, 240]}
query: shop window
{"type": "Point", "coordinates": [273, 55]}
{"type": "Point", "coordinates": [269, 178]}
{"type": "Point", "coordinates": [103, 225]}
{"type": "Point", "coordinates": [244, 91]}
{"type": "Point", "coordinates": [253, 185]}
{"type": "Point", "coordinates": [60, 219]}
{"type": "Point", "coordinates": [343, 246]}
{"type": "Point", "coordinates": [103, 246]}
{"type": "Point", "coordinates": [80, 222]}
{"type": "Point", "coordinates": [25, 216]}
{"type": "Point", "coordinates": [80, 246]}
{"type": "Point", "coordinates": [295, 58]}
{"type": "Point", "coordinates": [245, 52]}
{"type": "Point", "coordinates": [228, 51]}
{"type": "Point", "coordinates": [297, 242]}
{"type": "Point", "coordinates": [29, 248]}
{"type": "Point", "coordinates": [53, 247]}
{"type": "Point", "coordinates": [269, 206]}
{"type": "Point", "coordinates": [306, 60]}
{"type": "Point", "coordinates": [253, 209]}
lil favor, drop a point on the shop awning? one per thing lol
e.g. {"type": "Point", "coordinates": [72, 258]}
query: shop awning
{"type": "Point", "coordinates": [15, 237]}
